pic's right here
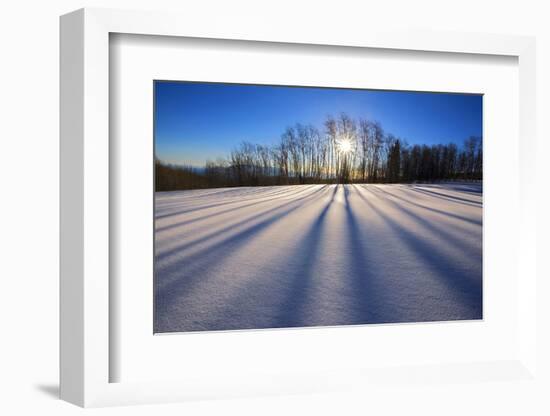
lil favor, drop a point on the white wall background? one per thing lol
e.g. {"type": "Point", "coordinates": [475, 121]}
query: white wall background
{"type": "Point", "coordinates": [29, 207]}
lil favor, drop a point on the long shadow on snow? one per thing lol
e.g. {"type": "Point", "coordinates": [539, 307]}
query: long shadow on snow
{"type": "Point", "coordinates": [203, 193]}
{"type": "Point", "coordinates": [192, 205]}
{"type": "Point", "coordinates": [238, 200]}
{"type": "Point", "coordinates": [194, 275]}
{"type": "Point", "coordinates": [473, 189]}
{"type": "Point", "coordinates": [215, 214]}
{"type": "Point", "coordinates": [236, 192]}
{"type": "Point", "coordinates": [193, 200]}
{"type": "Point", "coordinates": [368, 303]}
{"type": "Point", "coordinates": [292, 308]}
{"type": "Point", "coordinates": [429, 225]}
{"type": "Point", "coordinates": [462, 287]}
{"type": "Point", "coordinates": [437, 211]}
{"type": "Point", "coordinates": [166, 200]}
{"type": "Point", "coordinates": [447, 197]}
{"type": "Point", "coordinates": [232, 226]}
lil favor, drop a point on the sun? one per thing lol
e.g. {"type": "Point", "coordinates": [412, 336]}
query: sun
{"type": "Point", "coordinates": [344, 146]}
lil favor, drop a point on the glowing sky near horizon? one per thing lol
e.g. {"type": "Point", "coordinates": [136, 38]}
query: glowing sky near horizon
{"type": "Point", "coordinates": [195, 122]}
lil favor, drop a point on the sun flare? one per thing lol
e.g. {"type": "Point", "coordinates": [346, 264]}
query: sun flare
{"type": "Point", "coordinates": [345, 146]}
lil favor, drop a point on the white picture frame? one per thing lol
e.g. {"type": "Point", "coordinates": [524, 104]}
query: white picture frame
{"type": "Point", "coordinates": [85, 211]}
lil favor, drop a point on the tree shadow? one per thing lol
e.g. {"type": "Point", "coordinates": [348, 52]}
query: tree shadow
{"type": "Point", "coordinates": [292, 312]}
{"type": "Point", "coordinates": [437, 211]}
{"type": "Point", "coordinates": [463, 286]}
{"type": "Point", "coordinates": [168, 206]}
{"type": "Point", "coordinates": [369, 303]}
{"type": "Point", "coordinates": [169, 293]}
{"type": "Point", "coordinates": [192, 198]}
{"type": "Point", "coordinates": [215, 214]}
{"type": "Point", "coordinates": [236, 201]}
{"type": "Point", "coordinates": [470, 188]}
{"type": "Point", "coordinates": [194, 194]}
{"type": "Point", "coordinates": [447, 197]}
{"type": "Point", "coordinates": [428, 225]}
{"type": "Point", "coordinates": [184, 246]}
{"type": "Point", "coordinates": [292, 309]}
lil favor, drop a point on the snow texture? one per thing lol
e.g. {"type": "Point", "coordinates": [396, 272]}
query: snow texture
{"type": "Point", "coordinates": [310, 255]}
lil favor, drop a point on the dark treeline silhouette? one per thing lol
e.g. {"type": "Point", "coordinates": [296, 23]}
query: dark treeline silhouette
{"type": "Point", "coordinates": [175, 177]}
{"type": "Point", "coordinates": [345, 151]}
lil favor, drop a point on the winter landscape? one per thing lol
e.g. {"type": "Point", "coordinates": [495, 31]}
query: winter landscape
{"type": "Point", "coordinates": [342, 224]}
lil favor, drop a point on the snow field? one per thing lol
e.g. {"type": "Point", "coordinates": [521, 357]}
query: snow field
{"type": "Point", "coordinates": [311, 255]}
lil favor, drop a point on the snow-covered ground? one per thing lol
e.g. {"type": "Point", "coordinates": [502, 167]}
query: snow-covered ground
{"type": "Point", "coordinates": [293, 256]}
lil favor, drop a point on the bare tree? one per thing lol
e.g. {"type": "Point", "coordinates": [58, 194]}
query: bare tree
{"type": "Point", "coordinates": [345, 151]}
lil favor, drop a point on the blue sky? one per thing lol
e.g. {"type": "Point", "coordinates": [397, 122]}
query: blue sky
{"type": "Point", "coordinates": [199, 121]}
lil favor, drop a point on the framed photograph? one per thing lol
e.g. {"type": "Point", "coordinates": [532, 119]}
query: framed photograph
{"type": "Point", "coordinates": [271, 212]}
{"type": "Point", "coordinates": [334, 220]}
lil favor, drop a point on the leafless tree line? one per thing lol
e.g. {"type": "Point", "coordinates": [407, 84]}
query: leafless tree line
{"type": "Point", "coordinates": [344, 151]}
